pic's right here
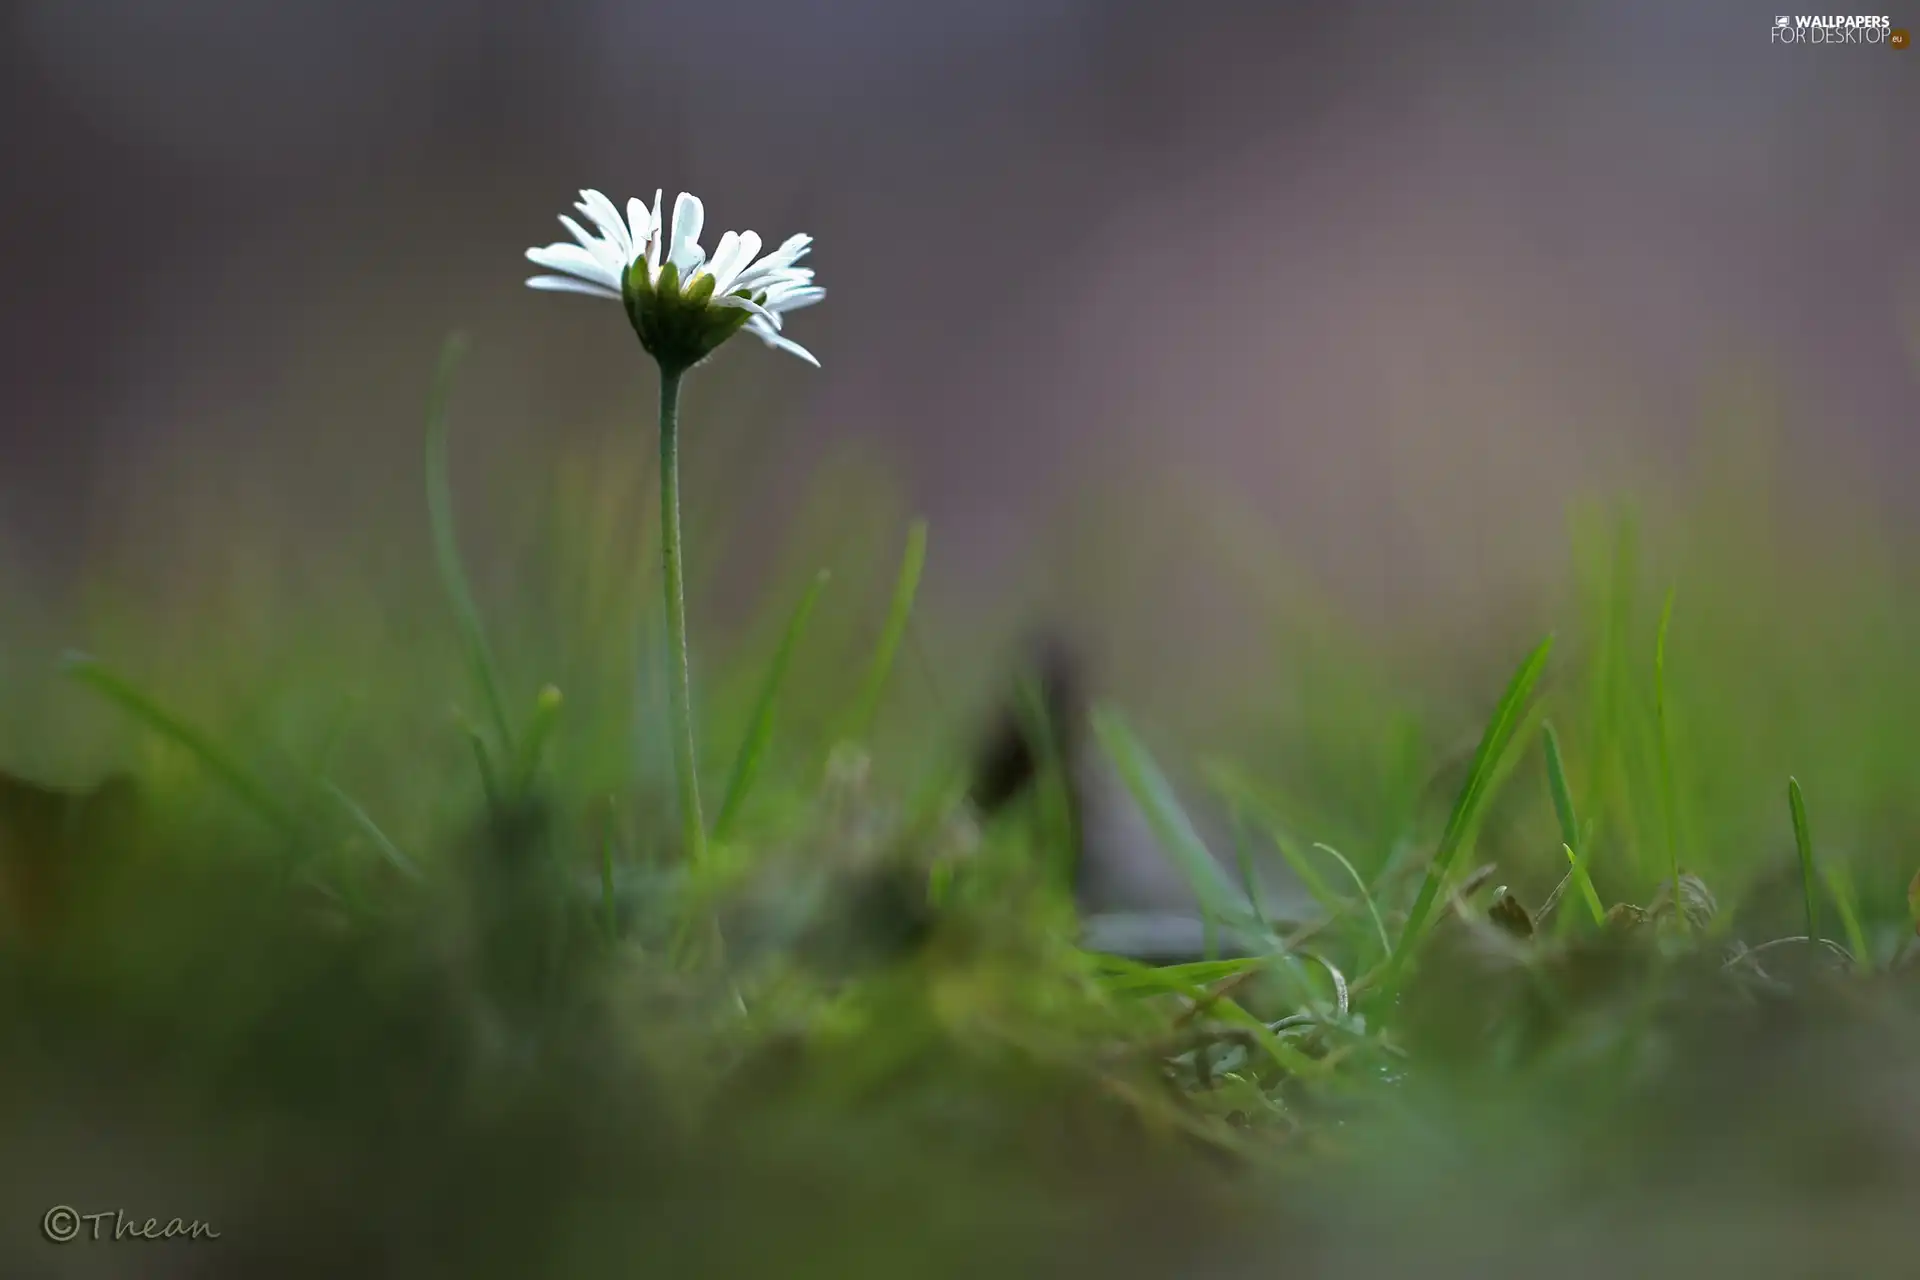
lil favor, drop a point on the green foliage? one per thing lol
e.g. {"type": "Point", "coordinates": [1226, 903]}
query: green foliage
{"type": "Point", "coordinates": [899, 612]}
{"type": "Point", "coordinates": [468, 1007]}
{"type": "Point", "coordinates": [1577, 845]}
{"type": "Point", "coordinates": [1803, 844]}
{"type": "Point", "coordinates": [446, 548]}
{"type": "Point", "coordinates": [1220, 902]}
{"type": "Point", "coordinates": [1494, 741]}
{"type": "Point", "coordinates": [747, 764]}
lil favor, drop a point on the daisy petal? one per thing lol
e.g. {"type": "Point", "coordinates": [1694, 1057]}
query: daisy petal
{"type": "Point", "coordinates": [746, 304]}
{"type": "Point", "coordinates": [790, 252]}
{"type": "Point", "coordinates": [723, 254]}
{"type": "Point", "coordinates": [793, 248]}
{"type": "Point", "coordinates": [779, 286]}
{"type": "Point", "coordinates": [657, 235]}
{"type": "Point", "coordinates": [575, 261]}
{"type": "Point", "coordinates": [783, 283]}
{"type": "Point", "coordinates": [586, 238]}
{"type": "Point", "coordinates": [607, 218]}
{"type": "Point", "coordinates": [745, 245]}
{"type": "Point", "coordinates": [780, 343]}
{"type": "Point", "coordinates": [794, 299]}
{"type": "Point", "coordinates": [568, 284]}
{"type": "Point", "coordinates": [599, 246]}
{"type": "Point", "coordinates": [689, 216]}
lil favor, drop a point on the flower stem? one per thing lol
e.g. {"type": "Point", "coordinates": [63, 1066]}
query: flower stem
{"type": "Point", "coordinates": [680, 679]}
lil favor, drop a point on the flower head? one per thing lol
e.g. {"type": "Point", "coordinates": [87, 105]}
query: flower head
{"type": "Point", "coordinates": [681, 302]}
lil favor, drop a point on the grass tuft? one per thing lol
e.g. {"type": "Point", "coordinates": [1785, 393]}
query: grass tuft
{"type": "Point", "coordinates": [453, 573]}
{"type": "Point", "coordinates": [868, 1037]}
{"type": "Point", "coordinates": [1669, 792]}
{"type": "Point", "coordinates": [1494, 741]}
{"type": "Point", "coordinates": [148, 711]}
{"type": "Point", "coordinates": [899, 613]}
{"type": "Point", "coordinates": [753, 749]}
{"type": "Point", "coordinates": [1803, 844]}
{"type": "Point", "coordinates": [1150, 790]}
{"type": "Point", "coordinates": [1568, 818]}
{"type": "Point", "coordinates": [1366, 896]}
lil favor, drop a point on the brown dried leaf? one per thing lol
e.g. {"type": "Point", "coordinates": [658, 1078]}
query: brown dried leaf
{"type": "Point", "coordinates": [1506, 913]}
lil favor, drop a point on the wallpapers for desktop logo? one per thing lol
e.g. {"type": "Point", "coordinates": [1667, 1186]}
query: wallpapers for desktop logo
{"type": "Point", "coordinates": [1838, 29]}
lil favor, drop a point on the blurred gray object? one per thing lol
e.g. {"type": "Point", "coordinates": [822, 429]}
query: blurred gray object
{"type": "Point", "coordinates": [1133, 901]}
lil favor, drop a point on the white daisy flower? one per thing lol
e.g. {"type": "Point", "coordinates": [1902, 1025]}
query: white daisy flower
{"type": "Point", "coordinates": [682, 303]}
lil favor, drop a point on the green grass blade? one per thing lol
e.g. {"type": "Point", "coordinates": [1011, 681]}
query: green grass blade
{"type": "Point", "coordinates": [1284, 1055]}
{"type": "Point", "coordinates": [1056, 811]}
{"type": "Point", "coordinates": [1840, 886]}
{"type": "Point", "coordinates": [1466, 808]}
{"type": "Point", "coordinates": [336, 733]}
{"type": "Point", "coordinates": [446, 546]}
{"type": "Point", "coordinates": [1571, 840]}
{"type": "Point", "coordinates": [1563, 808]}
{"type": "Point", "coordinates": [1232, 787]}
{"type": "Point", "coordinates": [1219, 901]}
{"type": "Point", "coordinates": [1243, 863]}
{"type": "Point", "coordinates": [1578, 861]}
{"type": "Point", "coordinates": [131, 699]}
{"type": "Point", "coordinates": [1803, 843]}
{"type": "Point", "coordinates": [1136, 978]}
{"type": "Point", "coordinates": [546, 715]}
{"type": "Point", "coordinates": [906, 586]}
{"type": "Point", "coordinates": [1609, 739]}
{"type": "Point", "coordinates": [1504, 767]}
{"type": "Point", "coordinates": [916, 642]}
{"type": "Point", "coordinates": [1669, 796]}
{"type": "Point", "coordinates": [1130, 977]}
{"type": "Point", "coordinates": [610, 916]}
{"type": "Point", "coordinates": [753, 750]}
{"type": "Point", "coordinates": [483, 761]}
{"type": "Point", "coordinates": [1380, 925]}
{"type": "Point", "coordinates": [371, 829]}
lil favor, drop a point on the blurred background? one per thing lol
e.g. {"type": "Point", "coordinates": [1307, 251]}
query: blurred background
{"type": "Point", "coordinates": [1295, 357]}
{"type": "Point", "coordinates": [1391, 283]}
